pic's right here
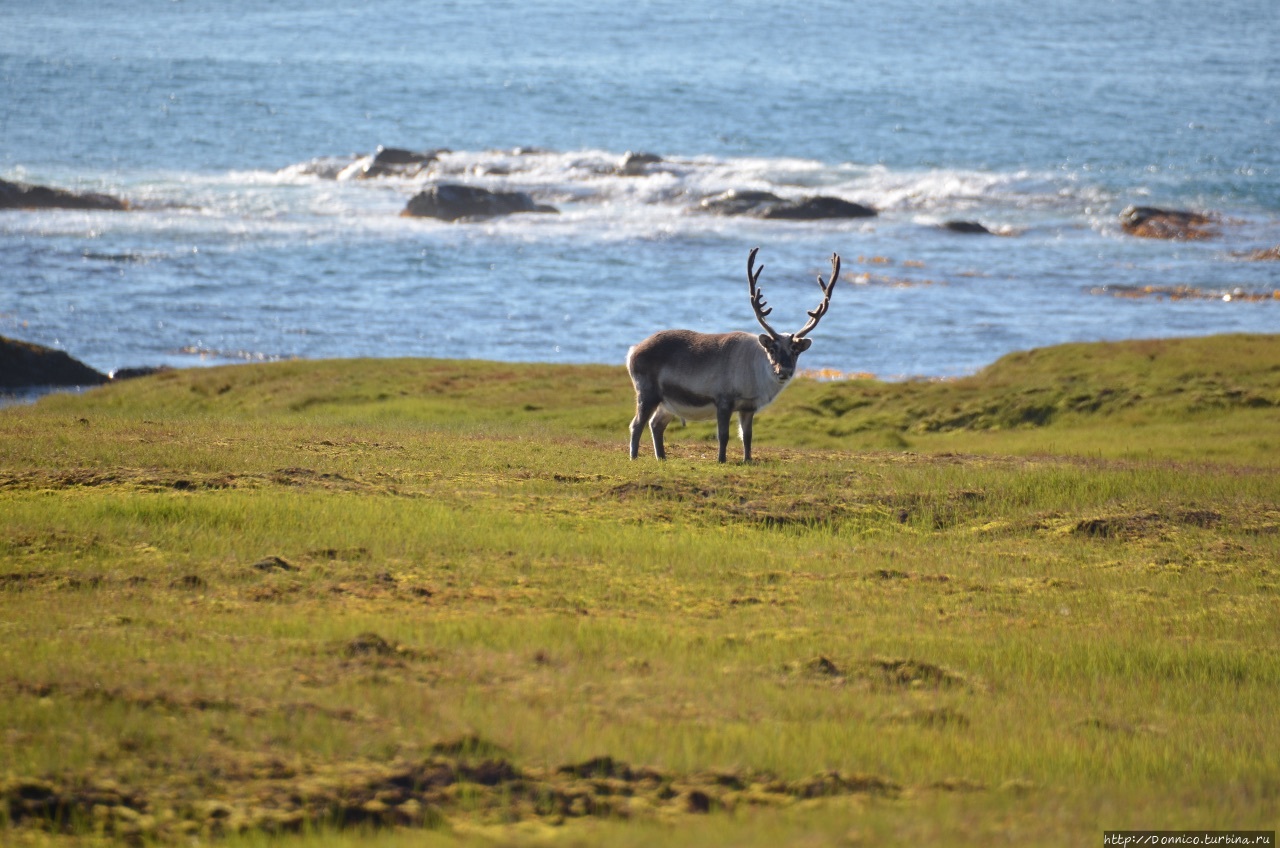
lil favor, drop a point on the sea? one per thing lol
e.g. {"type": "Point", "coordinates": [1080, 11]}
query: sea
{"type": "Point", "coordinates": [242, 134]}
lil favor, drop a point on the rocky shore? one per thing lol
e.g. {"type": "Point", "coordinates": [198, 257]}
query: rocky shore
{"type": "Point", "coordinates": [25, 196]}
{"type": "Point", "coordinates": [448, 196]}
{"type": "Point", "coordinates": [26, 365]}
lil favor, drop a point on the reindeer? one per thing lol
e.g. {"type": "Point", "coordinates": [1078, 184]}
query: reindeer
{"type": "Point", "coordinates": [688, 375]}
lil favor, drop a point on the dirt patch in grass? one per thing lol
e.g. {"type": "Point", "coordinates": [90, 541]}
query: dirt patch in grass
{"type": "Point", "coordinates": [51, 580]}
{"type": "Point", "coordinates": [152, 480]}
{"type": "Point", "coordinates": [172, 702]}
{"type": "Point", "coordinates": [134, 479]}
{"type": "Point", "coordinates": [16, 582]}
{"type": "Point", "coordinates": [244, 793]}
{"type": "Point", "coordinates": [887, 672]}
{"type": "Point", "coordinates": [894, 574]}
{"type": "Point", "coordinates": [273, 563]}
{"type": "Point", "coordinates": [784, 512]}
{"type": "Point", "coordinates": [748, 501]}
{"type": "Point", "coordinates": [189, 581]}
{"type": "Point", "coordinates": [822, 667]}
{"type": "Point", "coordinates": [674, 490]}
{"type": "Point", "coordinates": [935, 717]}
{"type": "Point", "coordinates": [336, 554]}
{"type": "Point", "coordinates": [469, 746]}
{"type": "Point", "coordinates": [368, 645]}
{"type": "Point", "coordinates": [26, 543]}
{"type": "Point", "coordinates": [1102, 725]}
{"type": "Point", "coordinates": [310, 478]}
{"type": "Point", "coordinates": [940, 510]}
{"type": "Point", "coordinates": [1117, 526]}
{"type": "Point", "coordinates": [917, 674]}
{"type": "Point", "coordinates": [1205, 518]}
{"type": "Point", "coordinates": [1146, 523]}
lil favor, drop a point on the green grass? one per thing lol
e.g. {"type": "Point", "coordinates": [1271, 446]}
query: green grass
{"type": "Point", "coordinates": [1028, 605]}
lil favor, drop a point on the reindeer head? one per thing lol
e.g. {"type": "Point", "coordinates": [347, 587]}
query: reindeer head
{"type": "Point", "coordinates": [784, 350]}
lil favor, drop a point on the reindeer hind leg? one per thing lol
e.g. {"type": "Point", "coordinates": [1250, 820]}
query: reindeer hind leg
{"type": "Point", "coordinates": [647, 406]}
{"type": "Point", "coordinates": [657, 426]}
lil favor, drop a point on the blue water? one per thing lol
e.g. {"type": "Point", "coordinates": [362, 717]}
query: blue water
{"type": "Point", "coordinates": [227, 124]}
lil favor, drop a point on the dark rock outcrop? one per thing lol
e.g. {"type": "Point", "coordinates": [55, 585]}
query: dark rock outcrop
{"type": "Point", "coordinates": [452, 202]}
{"type": "Point", "coordinates": [24, 196]}
{"type": "Point", "coordinates": [817, 209]}
{"type": "Point", "coordinates": [763, 204]}
{"type": "Point", "coordinates": [734, 202]}
{"type": "Point", "coordinates": [636, 164]}
{"type": "Point", "coordinates": [398, 162]}
{"type": "Point", "coordinates": [135, 371]}
{"type": "Point", "coordinates": [25, 365]}
{"type": "Point", "coordinates": [972, 228]}
{"type": "Point", "coordinates": [1151, 222]}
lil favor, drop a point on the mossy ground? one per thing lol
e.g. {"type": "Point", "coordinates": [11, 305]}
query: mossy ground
{"type": "Point", "coordinates": [403, 601]}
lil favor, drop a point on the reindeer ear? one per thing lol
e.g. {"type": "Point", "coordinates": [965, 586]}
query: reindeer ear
{"type": "Point", "coordinates": [801, 345]}
{"type": "Point", "coordinates": [766, 341]}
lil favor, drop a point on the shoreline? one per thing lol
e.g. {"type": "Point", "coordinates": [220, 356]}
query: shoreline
{"type": "Point", "coordinates": [20, 394]}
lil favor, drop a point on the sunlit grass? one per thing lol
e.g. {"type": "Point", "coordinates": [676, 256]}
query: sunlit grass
{"type": "Point", "coordinates": [279, 582]}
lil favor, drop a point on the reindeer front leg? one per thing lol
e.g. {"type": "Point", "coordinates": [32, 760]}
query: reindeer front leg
{"type": "Point", "coordinates": [745, 419]}
{"type": "Point", "coordinates": [724, 412]}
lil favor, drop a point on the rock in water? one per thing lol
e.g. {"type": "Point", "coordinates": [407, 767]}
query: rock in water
{"type": "Point", "coordinates": [1268, 254]}
{"type": "Point", "coordinates": [763, 204]}
{"type": "Point", "coordinates": [452, 202]}
{"type": "Point", "coordinates": [734, 202]}
{"type": "Point", "coordinates": [636, 164]}
{"type": "Point", "coordinates": [817, 209]}
{"type": "Point", "coordinates": [24, 196]}
{"type": "Point", "coordinates": [1151, 222]}
{"type": "Point", "coordinates": [24, 365]}
{"type": "Point", "coordinates": [970, 228]}
{"type": "Point", "coordinates": [397, 162]}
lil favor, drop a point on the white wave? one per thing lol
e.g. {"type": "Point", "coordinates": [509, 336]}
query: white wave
{"type": "Point", "coordinates": [602, 177]}
{"type": "Point", "coordinates": [599, 193]}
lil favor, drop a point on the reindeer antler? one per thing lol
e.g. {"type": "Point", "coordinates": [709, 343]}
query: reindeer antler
{"type": "Point", "coordinates": [816, 315]}
{"type": "Point", "coordinates": [757, 296]}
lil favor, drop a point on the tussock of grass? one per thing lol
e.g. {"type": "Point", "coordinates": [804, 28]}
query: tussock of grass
{"type": "Point", "coordinates": [1136, 399]}
{"type": "Point", "coordinates": [341, 599]}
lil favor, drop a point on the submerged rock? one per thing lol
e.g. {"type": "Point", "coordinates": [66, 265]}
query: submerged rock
{"type": "Point", "coordinates": [397, 162]}
{"type": "Point", "coordinates": [1152, 222]}
{"type": "Point", "coordinates": [1270, 254]}
{"type": "Point", "coordinates": [324, 167]}
{"type": "Point", "coordinates": [967, 228]}
{"type": "Point", "coordinates": [764, 204]}
{"type": "Point", "coordinates": [134, 371]}
{"type": "Point", "coordinates": [636, 164]}
{"type": "Point", "coordinates": [26, 365]}
{"type": "Point", "coordinates": [452, 202]}
{"type": "Point", "coordinates": [25, 196]}
{"type": "Point", "coordinates": [816, 209]}
{"type": "Point", "coordinates": [734, 202]}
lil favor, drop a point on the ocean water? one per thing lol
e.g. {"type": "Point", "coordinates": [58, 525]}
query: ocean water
{"type": "Point", "coordinates": [236, 130]}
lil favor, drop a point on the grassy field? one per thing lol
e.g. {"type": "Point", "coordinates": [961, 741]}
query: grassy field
{"type": "Point", "coordinates": [407, 602]}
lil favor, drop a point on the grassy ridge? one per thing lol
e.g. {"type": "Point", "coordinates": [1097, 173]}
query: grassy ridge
{"type": "Point", "coordinates": [406, 592]}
